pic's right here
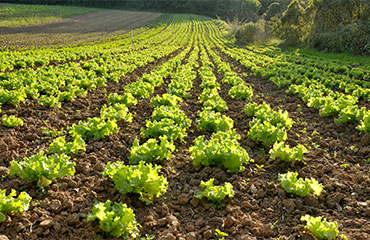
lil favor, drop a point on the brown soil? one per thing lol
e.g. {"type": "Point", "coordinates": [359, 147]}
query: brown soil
{"type": "Point", "coordinates": [260, 209]}
{"type": "Point", "coordinates": [79, 29]}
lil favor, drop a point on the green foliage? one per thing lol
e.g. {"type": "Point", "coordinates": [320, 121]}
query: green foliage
{"type": "Point", "coordinates": [165, 127]}
{"type": "Point", "coordinates": [251, 108]}
{"type": "Point", "coordinates": [11, 121]}
{"type": "Point", "coordinates": [351, 114]}
{"type": "Point", "coordinates": [299, 186]}
{"type": "Point", "coordinates": [241, 92]}
{"type": "Point", "coordinates": [212, 100]}
{"type": "Point", "coordinates": [118, 112]}
{"type": "Point", "coordinates": [222, 149]}
{"type": "Point", "coordinates": [174, 113]}
{"type": "Point", "coordinates": [332, 106]}
{"type": "Point", "coordinates": [151, 151]}
{"type": "Point", "coordinates": [290, 27]}
{"type": "Point", "coordinates": [351, 35]}
{"type": "Point", "coordinates": [208, 93]}
{"type": "Point", "coordinates": [140, 89]}
{"type": "Point", "coordinates": [11, 204]}
{"type": "Point", "coordinates": [126, 99]}
{"type": "Point", "coordinates": [217, 104]}
{"type": "Point", "coordinates": [13, 97]}
{"type": "Point", "coordinates": [117, 220]}
{"type": "Point", "coordinates": [231, 78]}
{"type": "Point", "coordinates": [245, 34]}
{"type": "Point", "coordinates": [320, 228]}
{"type": "Point", "coordinates": [50, 101]}
{"type": "Point", "coordinates": [365, 124]}
{"type": "Point", "coordinates": [266, 133]}
{"type": "Point", "coordinates": [274, 9]}
{"type": "Point", "coordinates": [264, 113]}
{"type": "Point", "coordinates": [326, 25]}
{"type": "Point", "coordinates": [215, 193]}
{"type": "Point", "coordinates": [285, 153]}
{"type": "Point", "coordinates": [52, 132]}
{"type": "Point", "coordinates": [165, 100]}
{"type": "Point", "coordinates": [96, 128]}
{"type": "Point", "coordinates": [141, 179]}
{"type": "Point", "coordinates": [219, 233]}
{"type": "Point", "coordinates": [59, 146]}
{"type": "Point", "coordinates": [268, 126]}
{"type": "Point", "coordinates": [42, 168]}
{"type": "Point", "coordinates": [213, 121]}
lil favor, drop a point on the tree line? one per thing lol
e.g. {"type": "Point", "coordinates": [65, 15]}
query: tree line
{"type": "Point", "coordinates": [245, 10]}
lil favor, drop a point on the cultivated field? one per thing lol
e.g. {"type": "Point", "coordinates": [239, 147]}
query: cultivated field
{"type": "Point", "coordinates": [97, 118]}
{"type": "Point", "coordinates": [25, 26]}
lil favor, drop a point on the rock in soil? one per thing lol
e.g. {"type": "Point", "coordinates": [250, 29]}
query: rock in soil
{"type": "Point", "coordinates": [3, 237]}
{"type": "Point", "coordinates": [46, 223]}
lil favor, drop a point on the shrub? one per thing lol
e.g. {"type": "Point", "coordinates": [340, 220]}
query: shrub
{"type": "Point", "coordinates": [353, 38]}
{"type": "Point", "coordinates": [245, 34]}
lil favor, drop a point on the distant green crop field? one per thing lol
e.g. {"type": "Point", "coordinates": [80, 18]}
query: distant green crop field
{"type": "Point", "coordinates": [28, 15]}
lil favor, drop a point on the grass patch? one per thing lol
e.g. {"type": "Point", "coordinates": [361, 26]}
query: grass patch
{"type": "Point", "coordinates": [338, 57]}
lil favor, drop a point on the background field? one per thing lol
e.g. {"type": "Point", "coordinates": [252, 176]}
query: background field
{"type": "Point", "coordinates": [36, 25]}
{"type": "Point", "coordinates": [28, 15]}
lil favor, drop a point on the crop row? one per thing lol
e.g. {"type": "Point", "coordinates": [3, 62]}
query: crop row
{"type": "Point", "coordinates": [314, 89]}
{"type": "Point", "coordinates": [54, 85]}
{"type": "Point", "coordinates": [201, 50]}
{"type": "Point", "coordinates": [54, 162]}
{"type": "Point", "coordinates": [269, 128]}
{"type": "Point", "coordinates": [352, 70]}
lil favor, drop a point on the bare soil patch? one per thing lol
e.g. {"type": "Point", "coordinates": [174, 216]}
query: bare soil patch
{"type": "Point", "coordinates": [4, 4]}
{"type": "Point", "coordinates": [79, 29]}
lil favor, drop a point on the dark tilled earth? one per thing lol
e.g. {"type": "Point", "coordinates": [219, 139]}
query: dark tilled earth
{"type": "Point", "coordinates": [75, 30]}
{"type": "Point", "coordinates": [260, 209]}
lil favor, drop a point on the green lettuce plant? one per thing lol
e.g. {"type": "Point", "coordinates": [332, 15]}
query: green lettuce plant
{"type": "Point", "coordinates": [59, 145]}
{"type": "Point", "coordinates": [241, 92]}
{"type": "Point", "coordinates": [115, 219]}
{"type": "Point", "coordinates": [215, 193]}
{"type": "Point", "coordinates": [143, 179]}
{"type": "Point", "coordinates": [96, 128]}
{"type": "Point", "coordinates": [223, 149]}
{"type": "Point", "coordinates": [299, 187]}
{"type": "Point", "coordinates": [287, 154]}
{"type": "Point", "coordinates": [151, 151]}
{"type": "Point", "coordinates": [213, 121]}
{"type": "Point", "coordinates": [12, 204]}
{"type": "Point", "coordinates": [11, 121]}
{"type": "Point", "coordinates": [321, 228]}
{"type": "Point", "coordinates": [126, 99]}
{"type": "Point", "coordinates": [165, 100]}
{"type": "Point", "coordinates": [42, 168]}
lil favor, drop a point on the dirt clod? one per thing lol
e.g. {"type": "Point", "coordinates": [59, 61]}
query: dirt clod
{"type": "Point", "coordinates": [46, 223]}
